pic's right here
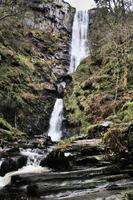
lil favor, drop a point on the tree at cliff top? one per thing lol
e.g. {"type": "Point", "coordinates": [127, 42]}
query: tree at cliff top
{"type": "Point", "coordinates": [117, 8]}
{"type": "Point", "coordinates": [115, 32]}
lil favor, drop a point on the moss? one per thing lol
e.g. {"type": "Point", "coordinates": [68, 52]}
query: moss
{"type": "Point", "coordinates": [98, 92]}
{"type": "Point", "coordinates": [126, 114]}
{"type": "Point", "coordinates": [129, 196]}
{"type": "Point", "coordinates": [8, 133]}
{"type": "Point", "coordinates": [68, 142]}
{"type": "Point", "coordinates": [26, 76]}
{"type": "Point", "coordinates": [5, 125]}
{"type": "Point", "coordinates": [25, 61]}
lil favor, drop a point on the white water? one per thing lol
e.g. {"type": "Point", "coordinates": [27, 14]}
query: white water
{"type": "Point", "coordinates": [56, 121]}
{"type": "Point", "coordinates": [34, 157]}
{"type": "Point", "coordinates": [25, 170]}
{"type": "Point", "coordinates": [79, 51]}
{"type": "Point", "coordinates": [31, 167]}
{"type": "Point", "coordinates": [79, 44]}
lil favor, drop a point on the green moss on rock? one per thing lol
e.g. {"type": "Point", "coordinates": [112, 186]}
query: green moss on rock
{"type": "Point", "coordinates": [9, 133]}
{"type": "Point", "coordinates": [126, 114]}
{"type": "Point", "coordinates": [27, 82]}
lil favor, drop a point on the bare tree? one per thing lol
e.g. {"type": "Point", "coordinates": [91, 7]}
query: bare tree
{"type": "Point", "coordinates": [117, 8]}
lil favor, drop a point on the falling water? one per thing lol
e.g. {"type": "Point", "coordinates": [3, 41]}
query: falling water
{"type": "Point", "coordinates": [79, 44]}
{"type": "Point", "coordinates": [79, 50]}
{"type": "Point", "coordinates": [56, 121]}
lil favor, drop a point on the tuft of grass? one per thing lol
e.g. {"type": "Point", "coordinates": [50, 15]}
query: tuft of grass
{"type": "Point", "coordinates": [126, 114]}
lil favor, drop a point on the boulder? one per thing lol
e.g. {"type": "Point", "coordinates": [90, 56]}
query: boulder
{"type": "Point", "coordinates": [56, 160]}
{"type": "Point", "coordinates": [12, 164]}
{"type": "Point", "coordinates": [8, 165]}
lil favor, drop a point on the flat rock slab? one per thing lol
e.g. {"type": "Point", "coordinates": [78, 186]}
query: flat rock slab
{"type": "Point", "coordinates": [90, 143]}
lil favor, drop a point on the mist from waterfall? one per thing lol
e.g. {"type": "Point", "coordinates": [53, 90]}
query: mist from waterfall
{"type": "Point", "coordinates": [56, 121]}
{"type": "Point", "coordinates": [79, 44]}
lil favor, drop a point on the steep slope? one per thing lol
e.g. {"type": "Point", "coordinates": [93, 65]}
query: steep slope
{"type": "Point", "coordinates": [102, 87]}
{"type": "Point", "coordinates": [33, 55]}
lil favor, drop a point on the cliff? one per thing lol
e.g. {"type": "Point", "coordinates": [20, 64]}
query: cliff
{"type": "Point", "coordinates": [34, 53]}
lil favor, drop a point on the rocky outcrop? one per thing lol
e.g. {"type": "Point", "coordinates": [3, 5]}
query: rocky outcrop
{"type": "Point", "coordinates": [12, 164]}
{"type": "Point", "coordinates": [55, 16]}
{"type": "Point", "coordinates": [80, 171]}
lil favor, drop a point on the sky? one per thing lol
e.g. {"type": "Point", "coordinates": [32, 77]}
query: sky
{"type": "Point", "coordinates": [82, 4]}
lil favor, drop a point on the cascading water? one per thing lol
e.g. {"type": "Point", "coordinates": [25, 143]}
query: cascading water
{"type": "Point", "coordinates": [32, 166]}
{"type": "Point", "coordinates": [56, 121]}
{"type": "Point", "coordinates": [79, 51]}
{"type": "Point", "coordinates": [79, 46]}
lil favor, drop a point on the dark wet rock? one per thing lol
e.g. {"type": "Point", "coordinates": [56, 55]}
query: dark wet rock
{"type": "Point", "coordinates": [13, 150]}
{"type": "Point", "coordinates": [66, 78]}
{"type": "Point", "coordinates": [87, 160]}
{"type": "Point", "coordinates": [56, 161]}
{"type": "Point", "coordinates": [21, 161]}
{"type": "Point", "coordinates": [32, 190]}
{"type": "Point", "coordinates": [112, 187]}
{"type": "Point", "coordinates": [48, 141]}
{"type": "Point", "coordinates": [10, 152]}
{"type": "Point", "coordinates": [60, 89]}
{"type": "Point", "coordinates": [80, 152]}
{"type": "Point", "coordinates": [8, 165]}
{"type": "Point", "coordinates": [129, 136]}
{"type": "Point", "coordinates": [12, 164]}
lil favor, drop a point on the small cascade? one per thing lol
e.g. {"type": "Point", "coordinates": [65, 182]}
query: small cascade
{"type": "Point", "coordinates": [79, 44]}
{"type": "Point", "coordinates": [33, 156]}
{"type": "Point", "coordinates": [56, 121]}
{"type": "Point", "coordinates": [32, 166]}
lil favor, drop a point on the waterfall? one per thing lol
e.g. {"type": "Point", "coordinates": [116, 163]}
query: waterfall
{"type": "Point", "coordinates": [79, 51]}
{"type": "Point", "coordinates": [79, 46]}
{"type": "Point", "coordinates": [56, 121]}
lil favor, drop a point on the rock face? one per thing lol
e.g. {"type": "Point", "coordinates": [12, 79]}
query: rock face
{"type": "Point", "coordinates": [34, 54]}
{"type": "Point", "coordinates": [55, 16]}
{"type": "Point", "coordinates": [11, 164]}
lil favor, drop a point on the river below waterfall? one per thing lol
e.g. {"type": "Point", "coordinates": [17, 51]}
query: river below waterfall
{"type": "Point", "coordinates": [92, 180]}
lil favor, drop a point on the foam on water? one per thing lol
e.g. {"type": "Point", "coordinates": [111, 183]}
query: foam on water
{"type": "Point", "coordinates": [25, 170]}
{"type": "Point", "coordinates": [32, 166]}
{"type": "Point", "coordinates": [56, 121]}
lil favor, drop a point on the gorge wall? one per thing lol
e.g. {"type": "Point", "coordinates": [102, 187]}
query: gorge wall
{"type": "Point", "coordinates": [34, 53]}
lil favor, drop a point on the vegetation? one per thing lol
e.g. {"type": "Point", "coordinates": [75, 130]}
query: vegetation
{"type": "Point", "coordinates": [27, 81]}
{"type": "Point", "coordinates": [9, 134]}
{"type": "Point", "coordinates": [102, 85]}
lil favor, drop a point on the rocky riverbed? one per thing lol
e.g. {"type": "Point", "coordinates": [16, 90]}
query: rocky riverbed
{"type": "Point", "coordinates": [82, 170]}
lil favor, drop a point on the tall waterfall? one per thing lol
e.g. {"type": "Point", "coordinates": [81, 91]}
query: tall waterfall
{"type": "Point", "coordinates": [79, 46]}
{"type": "Point", "coordinates": [56, 121]}
{"type": "Point", "coordinates": [79, 50]}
